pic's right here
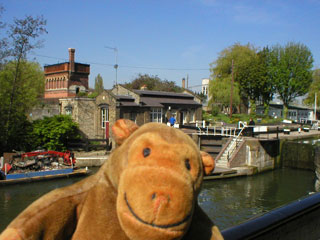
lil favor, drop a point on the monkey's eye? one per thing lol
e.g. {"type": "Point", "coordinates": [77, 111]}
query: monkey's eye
{"type": "Point", "coordinates": [187, 164]}
{"type": "Point", "coordinates": [146, 152]}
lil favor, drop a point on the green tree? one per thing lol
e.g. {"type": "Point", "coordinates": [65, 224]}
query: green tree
{"type": "Point", "coordinates": [29, 87]}
{"type": "Point", "coordinates": [253, 76]}
{"type": "Point", "coordinates": [52, 133]}
{"type": "Point", "coordinates": [221, 73]}
{"type": "Point", "coordinates": [153, 83]}
{"type": "Point", "coordinates": [314, 89]}
{"type": "Point", "coordinates": [290, 70]}
{"type": "Point", "coordinates": [220, 89]}
{"type": "Point", "coordinates": [22, 37]}
{"type": "Point", "coordinates": [98, 84]}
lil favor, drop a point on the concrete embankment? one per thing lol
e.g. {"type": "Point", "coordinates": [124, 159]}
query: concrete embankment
{"type": "Point", "coordinates": [256, 154]}
{"type": "Point", "coordinates": [260, 154]}
{"type": "Point", "coordinates": [267, 152]}
{"type": "Point", "coordinates": [91, 159]}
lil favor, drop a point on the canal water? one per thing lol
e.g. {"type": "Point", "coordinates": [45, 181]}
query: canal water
{"type": "Point", "coordinates": [227, 201]}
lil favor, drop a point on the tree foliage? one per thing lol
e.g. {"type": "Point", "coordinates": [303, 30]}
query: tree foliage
{"type": "Point", "coordinates": [21, 81]}
{"type": "Point", "coordinates": [290, 70]}
{"type": "Point", "coordinates": [253, 78]}
{"type": "Point", "coordinates": [260, 74]}
{"type": "Point", "coordinates": [98, 84]}
{"type": "Point", "coordinates": [153, 83]}
{"type": "Point", "coordinates": [220, 90]}
{"type": "Point", "coordinates": [52, 133]}
{"type": "Point", "coordinates": [29, 86]}
{"type": "Point", "coordinates": [314, 89]}
{"type": "Point", "coordinates": [221, 73]}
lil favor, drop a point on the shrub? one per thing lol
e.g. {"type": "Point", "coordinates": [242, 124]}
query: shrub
{"type": "Point", "coordinates": [52, 133]}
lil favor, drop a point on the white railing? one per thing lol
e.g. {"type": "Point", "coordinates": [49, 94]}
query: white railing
{"type": "Point", "coordinates": [217, 131]}
{"type": "Point", "coordinates": [235, 142]}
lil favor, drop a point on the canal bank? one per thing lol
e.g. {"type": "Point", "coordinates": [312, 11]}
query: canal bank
{"type": "Point", "coordinates": [254, 155]}
{"type": "Point", "coordinates": [276, 151]}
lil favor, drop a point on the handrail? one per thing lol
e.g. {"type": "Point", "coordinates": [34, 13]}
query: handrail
{"type": "Point", "coordinates": [224, 131]}
{"type": "Point", "coordinates": [235, 142]}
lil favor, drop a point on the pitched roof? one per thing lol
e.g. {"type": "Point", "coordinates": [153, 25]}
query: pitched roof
{"type": "Point", "coordinates": [162, 94]}
{"type": "Point", "coordinates": [160, 102]}
{"type": "Point", "coordinates": [129, 104]}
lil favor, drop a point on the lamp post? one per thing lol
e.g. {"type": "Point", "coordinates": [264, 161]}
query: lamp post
{"type": "Point", "coordinates": [116, 61]}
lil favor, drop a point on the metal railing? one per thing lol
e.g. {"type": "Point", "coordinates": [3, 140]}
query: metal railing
{"type": "Point", "coordinates": [217, 131]}
{"type": "Point", "coordinates": [235, 142]}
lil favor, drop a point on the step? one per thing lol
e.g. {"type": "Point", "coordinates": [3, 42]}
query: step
{"type": "Point", "coordinates": [210, 149]}
{"type": "Point", "coordinates": [211, 142]}
{"type": "Point", "coordinates": [221, 165]}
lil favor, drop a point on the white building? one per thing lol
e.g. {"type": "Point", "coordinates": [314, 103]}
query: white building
{"type": "Point", "coordinates": [205, 87]}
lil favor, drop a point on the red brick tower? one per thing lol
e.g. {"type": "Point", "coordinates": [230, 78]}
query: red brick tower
{"type": "Point", "coordinates": [66, 79]}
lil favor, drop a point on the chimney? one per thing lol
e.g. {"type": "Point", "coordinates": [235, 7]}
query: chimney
{"type": "Point", "coordinates": [183, 83]}
{"type": "Point", "coordinates": [71, 59]}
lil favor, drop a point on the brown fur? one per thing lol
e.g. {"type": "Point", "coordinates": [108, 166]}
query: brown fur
{"type": "Point", "coordinates": [136, 194]}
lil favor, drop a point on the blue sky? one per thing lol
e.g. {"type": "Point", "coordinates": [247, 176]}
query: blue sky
{"type": "Point", "coordinates": [168, 38]}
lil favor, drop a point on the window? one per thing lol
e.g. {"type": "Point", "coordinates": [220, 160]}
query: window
{"type": "Point", "coordinates": [68, 109]}
{"type": "Point", "coordinates": [104, 116]}
{"type": "Point", "coordinates": [192, 116]}
{"type": "Point", "coordinates": [205, 90]}
{"type": "Point", "coordinates": [156, 115]}
{"type": "Point", "coordinates": [133, 116]}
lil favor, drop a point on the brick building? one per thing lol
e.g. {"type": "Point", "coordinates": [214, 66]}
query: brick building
{"type": "Point", "coordinates": [66, 79]}
{"type": "Point", "coordinates": [140, 106]}
{"type": "Point", "coordinates": [64, 82]}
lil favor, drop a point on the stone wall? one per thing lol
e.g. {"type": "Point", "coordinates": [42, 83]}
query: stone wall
{"type": "Point", "coordinates": [120, 90]}
{"type": "Point", "coordinates": [114, 113]}
{"type": "Point", "coordinates": [83, 112]}
{"type": "Point", "coordinates": [298, 155]}
{"type": "Point", "coordinates": [44, 110]}
{"type": "Point", "coordinates": [261, 154]}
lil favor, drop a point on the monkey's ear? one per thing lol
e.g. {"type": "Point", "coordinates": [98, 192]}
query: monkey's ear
{"type": "Point", "coordinates": [207, 162]}
{"type": "Point", "coordinates": [122, 129]}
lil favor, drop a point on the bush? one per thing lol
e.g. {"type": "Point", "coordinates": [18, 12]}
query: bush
{"type": "Point", "coordinates": [238, 117]}
{"type": "Point", "coordinates": [215, 110]}
{"type": "Point", "coordinates": [52, 133]}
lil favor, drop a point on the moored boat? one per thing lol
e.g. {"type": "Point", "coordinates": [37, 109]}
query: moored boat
{"type": "Point", "coordinates": [39, 165]}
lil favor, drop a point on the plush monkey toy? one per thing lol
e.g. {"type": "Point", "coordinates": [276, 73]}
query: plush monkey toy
{"type": "Point", "coordinates": [147, 189]}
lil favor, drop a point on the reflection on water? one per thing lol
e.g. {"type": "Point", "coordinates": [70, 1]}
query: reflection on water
{"type": "Point", "coordinates": [231, 201]}
{"type": "Point", "coordinates": [312, 141]}
{"type": "Point", "coordinates": [15, 198]}
{"type": "Point", "coordinates": [227, 202]}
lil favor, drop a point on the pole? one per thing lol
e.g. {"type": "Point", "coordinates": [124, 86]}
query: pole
{"type": "Point", "coordinates": [116, 61]}
{"type": "Point", "coordinates": [315, 106]}
{"type": "Point", "coordinates": [231, 93]}
{"type": "Point", "coordinates": [187, 81]}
